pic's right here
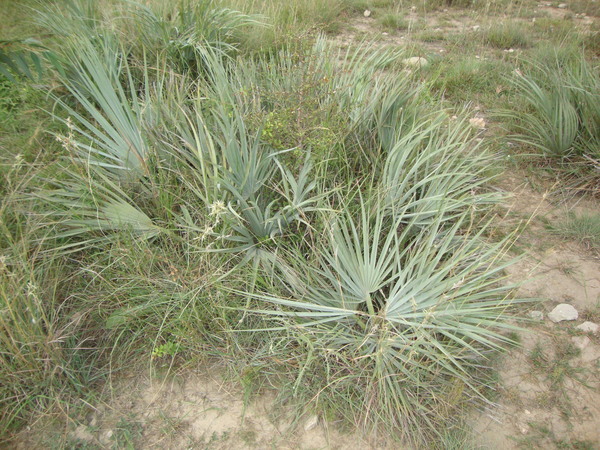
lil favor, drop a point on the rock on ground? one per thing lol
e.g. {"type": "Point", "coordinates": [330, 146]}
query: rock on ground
{"type": "Point", "coordinates": [562, 312]}
{"type": "Point", "coordinates": [416, 61]}
{"type": "Point", "coordinates": [589, 327]}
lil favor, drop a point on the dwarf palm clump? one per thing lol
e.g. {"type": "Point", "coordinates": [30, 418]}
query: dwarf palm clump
{"type": "Point", "coordinates": [562, 121]}
{"type": "Point", "coordinates": [362, 212]}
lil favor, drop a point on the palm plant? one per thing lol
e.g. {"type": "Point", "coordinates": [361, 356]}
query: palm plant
{"type": "Point", "coordinates": [434, 166]}
{"type": "Point", "coordinates": [411, 313]}
{"type": "Point", "coordinates": [90, 206]}
{"type": "Point", "coordinates": [185, 29]}
{"type": "Point", "coordinates": [108, 132]}
{"type": "Point", "coordinates": [553, 127]}
{"type": "Point", "coordinates": [563, 120]}
{"type": "Point", "coordinates": [564, 108]}
{"type": "Point", "coordinates": [260, 197]}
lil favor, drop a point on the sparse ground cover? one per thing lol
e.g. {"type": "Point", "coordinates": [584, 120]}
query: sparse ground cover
{"type": "Point", "coordinates": [230, 230]}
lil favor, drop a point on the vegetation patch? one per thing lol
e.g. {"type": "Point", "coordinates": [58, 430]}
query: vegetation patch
{"type": "Point", "coordinates": [219, 181]}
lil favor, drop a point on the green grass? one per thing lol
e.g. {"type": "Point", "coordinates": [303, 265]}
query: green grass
{"type": "Point", "coordinates": [507, 35]}
{"type": "Point", "coordinates": [468, 80]}
{"type": "Point", "coordinates": [393, 22]}
{"type": "Point", "coordinates": [582, 228]}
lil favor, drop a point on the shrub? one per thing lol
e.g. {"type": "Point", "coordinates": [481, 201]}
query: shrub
{"type": "Point", "coordinates": [563, 117]}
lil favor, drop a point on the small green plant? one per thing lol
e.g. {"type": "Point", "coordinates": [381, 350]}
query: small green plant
{"type": "Point", "coordinates": [393, 22]}
{"type": "Point", "coordinates": [555, 362]}
{"type": "Point", "coordinates": [562, 118]}
{"type": "Point", "coordinates": [126, 432]}
{"type": "Point", "coordinates": [167, 349]}
{"type": "Point", "coordinates": [583, 228]}
{"type": "Point", "coordinates": [507, 36]}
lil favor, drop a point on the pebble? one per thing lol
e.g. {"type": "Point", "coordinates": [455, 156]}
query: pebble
{"type": "Point", "coordinates": [367, 13]}
{"type": "Point", "coordinates": [562, 312]}
{"type": "Point", "coordinates": [311, 422]}
{"type": "Point", "coordinates": [477, 122]}
{"type": "Point", "coordinates": [416, 61]}
{"type": "Point", "coordinates": [562, 5]}
{"type": "Point", "coordinates": [589, 327]}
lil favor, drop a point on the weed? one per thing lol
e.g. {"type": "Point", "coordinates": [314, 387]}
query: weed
{"type": "Point", "coordinates": [126, 433]}
{"type": "Point", "coordinates": [393, 22]}
{"type": "Point", "coordinates": [469, 79]}
{"type": "Point", "coordinates": [555, 363]}
{"type": "Point", "coordinates": [583, 228]}
{"type": "Point", "coordinates": [507, 36]}
{"type": "Point", "coordinates": [168, 348]}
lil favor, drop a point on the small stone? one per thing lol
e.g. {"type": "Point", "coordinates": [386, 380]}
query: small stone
{"type": "Point", "coordinates": [367, 13]}
{"type": "Point", "coordinates": [523, 427]}
{"type": "Point", "coordinates": [589, 327]}
{"type": "Point", "coordinates": [384, 33]}
{"type": "Point", "coordinates": [581, 342]}
{"type": "Point", "coordinates": [476, 27]}
{"type": "Point", "coordinates": [415, 61]}
{"type": "Point", "coordinates": [81, 433]}
{"type": "Point", "coordinates": [536, 315]}
{"type": "Point", "coordinates": [562, 312]}
{"type": "Point", "coordinates": [477, 122]}
{"type": "Point", "coordinates": [105, 437]}
{"type": "Point", "coordinates": [511, 50]}
{"type": "Point", "coordinates": [311, 423]}
{"type": "Point", "coordinates": [562, 5]}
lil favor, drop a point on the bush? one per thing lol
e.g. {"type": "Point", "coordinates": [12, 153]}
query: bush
{"type": "Point", "coordinates": [563, 117]}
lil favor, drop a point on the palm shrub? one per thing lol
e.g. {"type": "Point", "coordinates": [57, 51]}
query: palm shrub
{"type": "Point", "coordinates": [435, 171]}
{"type": "Point", "coordinates": [110, 130]}
{"type": "Point", "coordinates": [392, 286]}
{"type": "Point", "coordinates": [562, 119]}
{"type": "Point", "coordinates": [242, 183]}
{"type": "Point", "coordinates": [402, 316]}
{"type": "Point", "coordinates": [398, 300]}
{"type": "Point", "coordinates": [182, 30]}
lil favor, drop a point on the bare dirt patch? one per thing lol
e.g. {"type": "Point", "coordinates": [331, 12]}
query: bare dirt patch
{"type": "Point", "coordinates": [190, 410]}
{"type": "Point", "coordinates": [549, 389]}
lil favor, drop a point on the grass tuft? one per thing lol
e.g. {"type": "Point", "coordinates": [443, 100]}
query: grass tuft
{"type": "Point", "coordinates": [582, 228]}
